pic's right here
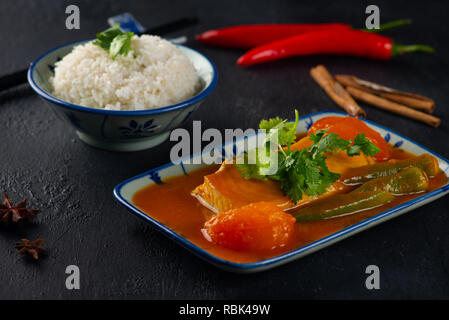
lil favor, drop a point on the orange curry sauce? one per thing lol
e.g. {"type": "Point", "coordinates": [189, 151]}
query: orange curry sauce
{"type": "Point", "coordinates": [172, 204]}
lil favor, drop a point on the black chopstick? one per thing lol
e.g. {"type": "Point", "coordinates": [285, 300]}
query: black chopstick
{"type": "Point", "coordinates": [172, 26]}
{"type": "Point", "coordinates": [13, 79]}
{"type": "Point", "coordinates": [19, 77]}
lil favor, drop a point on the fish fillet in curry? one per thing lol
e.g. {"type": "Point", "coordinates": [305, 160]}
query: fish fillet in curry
{"type": "Point", "coordinates": [226, 189]}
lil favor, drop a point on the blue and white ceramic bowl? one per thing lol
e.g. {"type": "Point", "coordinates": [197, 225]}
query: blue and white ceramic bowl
{"type": "Point", "coordinates": [121, 130]}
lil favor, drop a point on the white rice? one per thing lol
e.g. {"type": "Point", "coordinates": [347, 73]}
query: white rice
{"type": "Point", "coordinates": [154, 74]}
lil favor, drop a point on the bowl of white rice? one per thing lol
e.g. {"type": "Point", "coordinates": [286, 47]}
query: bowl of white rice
{"type": "Point", "coordinates": [128, 103]}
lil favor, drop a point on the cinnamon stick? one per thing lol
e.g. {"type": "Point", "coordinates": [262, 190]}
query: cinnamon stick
{"type": "Point", "coordinates": [336, 91]}
{"type": "Point", "coordinates": [411, 100]}
{"type": "Point", "coordinates": [423, 105]}
{"type": "Point", "coordinates": [394, 107]}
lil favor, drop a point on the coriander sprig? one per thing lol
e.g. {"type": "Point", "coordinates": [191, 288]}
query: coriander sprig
{"type": "Point", "coordinates": [115, 41]}
{"type": "Point", "coordinates": [255, 164]}
{"type": "Point", "coordinates": [303, 171]}
{"type": "Point", "coordinates": [286, 131]}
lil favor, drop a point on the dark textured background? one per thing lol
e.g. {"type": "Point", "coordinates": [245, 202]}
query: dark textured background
{"type": "Point", "coordinates": [122, 257]}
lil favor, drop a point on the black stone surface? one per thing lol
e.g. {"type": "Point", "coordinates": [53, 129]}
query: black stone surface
{"type": "Point", "coordinates": [122, 257]}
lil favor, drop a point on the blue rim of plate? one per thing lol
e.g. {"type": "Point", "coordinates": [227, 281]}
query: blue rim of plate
{"type": "Point", "coordinates": [44, 94]}
{"type": "Point", "coordinates": [288, 255]}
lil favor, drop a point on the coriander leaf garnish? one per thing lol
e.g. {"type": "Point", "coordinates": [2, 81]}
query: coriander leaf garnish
{"type": "Point", "coordinates": [114, 41]}
{"type": "Point", "coordinates": [121, 45]}
{"type": "Point", "coordinates": [255, 163]}
{"type": "Point", "coordinates": [286, 130]}
{"type": "Point", "coordinates": [303, 172]}
{"type": "Point", "coordinates": [252, 169]}
{"type": "Point", "coordinates": [361, 143]}
{"type": "Point", "coordinates": [105, 38]}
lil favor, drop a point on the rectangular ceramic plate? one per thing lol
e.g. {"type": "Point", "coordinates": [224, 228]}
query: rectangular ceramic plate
{"type": "Point", "coordinates": [125, 191]}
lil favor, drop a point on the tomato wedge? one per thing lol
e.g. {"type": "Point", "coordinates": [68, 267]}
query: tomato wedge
{"type": "Point", "coordinates": [324, 124]}
{"type": "Point", "coordinates": [348, 128]}
{"type": "Point", "coordinates": [259, 226]}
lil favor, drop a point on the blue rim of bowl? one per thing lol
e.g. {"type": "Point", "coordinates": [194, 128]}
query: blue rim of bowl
{"type": "Point", "coordinates": [291, 255]}
{"type": "Point", "coordinates": [195, 99]}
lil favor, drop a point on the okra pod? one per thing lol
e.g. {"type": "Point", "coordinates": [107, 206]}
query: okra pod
{"type": "Point", "coordinates": [407, 181]}
{"type": "Point", "coordinates": [363, 174]}
{"type": "Point", "coordinates": [343, 204]}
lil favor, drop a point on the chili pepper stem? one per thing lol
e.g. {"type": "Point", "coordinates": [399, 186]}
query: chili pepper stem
{"type": "Point", "coordinates": [390, 25]}
{"type": "Point", "coordinates": [399, 49]}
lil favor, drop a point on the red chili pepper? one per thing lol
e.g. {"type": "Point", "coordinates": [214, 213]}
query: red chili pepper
{"type": "Point", "coordinates": [248, 36]}
{"type": "Point", "coordinates": [338, 42]}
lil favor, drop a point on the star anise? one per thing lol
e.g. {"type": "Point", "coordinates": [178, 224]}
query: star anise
{"type": "Point", "coordinates": [10, 213]}
{"type": "Point", "coordinates": [32, 248]}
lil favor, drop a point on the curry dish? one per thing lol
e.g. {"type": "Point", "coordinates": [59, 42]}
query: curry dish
{"type": "Point", "coordinates": [247, 219]}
